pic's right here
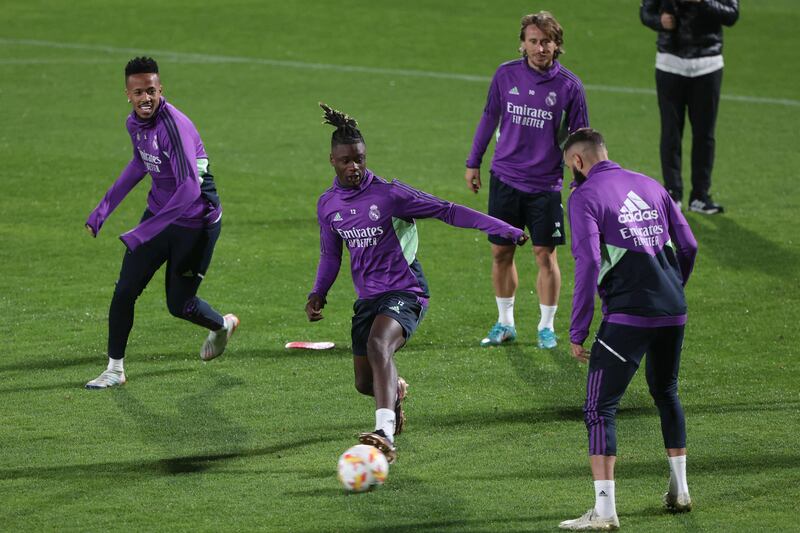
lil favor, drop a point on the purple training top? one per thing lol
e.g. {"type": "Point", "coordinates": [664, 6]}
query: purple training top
{"type": "Point", "coordinates": [630, 242]}
{"type": "Point", "coordinates": [169, 148]}
{"type": "Point", "coordinates": [530, 107]}
{"type": "Point", "coordinates": [376, 222]}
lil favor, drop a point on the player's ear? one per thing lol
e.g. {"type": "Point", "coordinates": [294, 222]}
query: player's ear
{"type": "Point", "coordinates": [330, 158]}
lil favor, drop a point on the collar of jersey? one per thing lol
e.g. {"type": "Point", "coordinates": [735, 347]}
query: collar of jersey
{"type": "Point", "coordinates": [543, 76]}
{"type": "Point", "coordinates": [349, 192]}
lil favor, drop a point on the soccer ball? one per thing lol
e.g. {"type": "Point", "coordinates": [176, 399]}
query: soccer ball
{"type": "Point", "coordinates": [361, 467]}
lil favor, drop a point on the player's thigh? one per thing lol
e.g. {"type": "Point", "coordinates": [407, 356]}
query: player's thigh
{"type": "Point", "coordinates": [505, 204]}
{"type": "Point", "coordinates": [139, 266]}
{"type": "Point", "coordinates": [544, 217]}
{"type": "Point", "coordinates": [664, 359]}
{"type": "Point", "coordinates": [191, 249]}
{"type": "Point", "coordinates": [402, 308]}
{"type": "Point", "coordinates": [364, 311]}
{"type": "Point", "coordinates": [615, 357]}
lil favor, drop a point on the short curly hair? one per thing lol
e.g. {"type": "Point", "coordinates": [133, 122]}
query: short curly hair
{"type": "Point", "coordinates": [141, 65]}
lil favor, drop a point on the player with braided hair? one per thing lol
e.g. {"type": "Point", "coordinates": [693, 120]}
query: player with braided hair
{"type": "Point", "coordinates": [375, 219]}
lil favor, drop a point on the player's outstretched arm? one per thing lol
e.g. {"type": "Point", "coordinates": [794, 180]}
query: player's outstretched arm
{"type": "Point", "coordinates": [413, 203]}
{"type": "Point", "coordinates": [127, 180]}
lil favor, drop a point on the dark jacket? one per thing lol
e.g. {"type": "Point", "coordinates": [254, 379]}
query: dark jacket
{"type": "Point", "coordinates": [698, 31]}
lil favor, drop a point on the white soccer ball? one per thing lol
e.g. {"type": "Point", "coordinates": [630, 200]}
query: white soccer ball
{"type": "Point", "coordinates": [361, 467]}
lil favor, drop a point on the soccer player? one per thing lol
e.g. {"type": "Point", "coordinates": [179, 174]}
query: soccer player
{"type": "Point", "coordinates": [180, 225]}
{"type": "Point", "coordinates": [537, 102]}
{"type": "Point", "coordinates": [375, 219]}
{"type": "Point", "coordinates": [632, 244]}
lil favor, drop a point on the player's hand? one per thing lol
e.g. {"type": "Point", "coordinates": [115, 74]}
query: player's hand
{"type": "Point", "coordinates": [668, 21]}
{"type": "Point", "coordinates": [579, 352]}
{"type": "Point", "coordinates": [90, 230]}
{"type": "Point", "coordinates": [314, 307]}
{"type": "Point", "coordinates": [473, 179]}
{"type": "Point", "coordinates": [522, 239]}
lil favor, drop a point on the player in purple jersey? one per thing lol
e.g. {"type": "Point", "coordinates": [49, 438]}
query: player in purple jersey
{"type": "Point", "coordinates": [179, 227]}
{"type": "Point", "coordinates": [375, 219]}
{"type": "Point", "coordinates": [634, 248]}
{"type": "Point", "coordinates": [536, 102]}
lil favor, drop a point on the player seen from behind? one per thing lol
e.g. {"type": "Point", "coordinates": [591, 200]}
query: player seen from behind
{"type": "Point", "coordinates": [634, 247]}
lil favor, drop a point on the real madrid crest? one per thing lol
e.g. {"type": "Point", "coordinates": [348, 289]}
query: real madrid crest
{"type": "Point", "coordinates": [374, 214]}
{"type": "Point", "coordinates": [551, 99]}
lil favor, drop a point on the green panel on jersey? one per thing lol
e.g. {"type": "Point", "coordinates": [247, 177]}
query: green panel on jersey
{"type": "Point", "coordinates": [407, 235]}
{"type": "Point", "coordinates": [610, 256]}
{"type": "Point", "coordinates": [202, 168]}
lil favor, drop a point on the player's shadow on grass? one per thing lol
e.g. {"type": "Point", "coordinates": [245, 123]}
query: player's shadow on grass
{"type": "Point", "coordinates": [627, 469]}
{"type": "Point", "coordinates": [741, 249]}
{"type": "Point", "coordinates": [505, 524]}
{"type": "Point", "coordinates": [545, 415]}
{"type": "Point", "coordinates": [528, 364]}
{"type": "Point", "coordinates": [168, 466]}
{"type": "Point", "coordinates": [40, 363]}
{"type": "Point", "coordinates": [72, 385]}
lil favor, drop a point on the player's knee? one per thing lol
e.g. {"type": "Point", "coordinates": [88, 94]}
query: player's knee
{"type": "Point", "coordinates": [503, 255]}
{"type": "Point", "coordinates": [126, 292]}
{"type": "Point", "coordinates": [364, 385]}
{"type": "Point", "coordinates": [378, 348]}
{"type": "Point", "coordinates": [181, 307]}
{"type": "Point", "coordinates": [665, 395]}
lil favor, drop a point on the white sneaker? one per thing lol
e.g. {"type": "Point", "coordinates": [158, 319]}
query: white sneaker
{"type": "Point", "coordinates": [215, 344]}
{"type": "Point", "coordinates": [591, 521]}
{"type": "Point", "coordinates": [109, 378]}
{"type": "Point", "coordinates": [678, 503]}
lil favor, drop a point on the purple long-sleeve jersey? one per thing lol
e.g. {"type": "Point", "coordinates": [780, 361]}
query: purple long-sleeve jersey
{"type": "Point", "coordinates": [532, 108]}
{"type": "Point", "coordinates": [632, 244]}
{"type": "Point", "coordinates": [169, 148]}
{"type": "Point", "coordinates": [376, 222]}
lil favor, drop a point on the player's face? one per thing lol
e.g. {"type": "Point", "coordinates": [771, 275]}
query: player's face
{"type": "Point", "coordinates": [350, 162]}
{"type": "Point", "coordinates": [538, 47]}
{"type": "Point", "coordinates": [144, 94]}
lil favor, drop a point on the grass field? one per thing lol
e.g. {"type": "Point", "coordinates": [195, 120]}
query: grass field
{"type": "Point", "coordinates": [495, 439]}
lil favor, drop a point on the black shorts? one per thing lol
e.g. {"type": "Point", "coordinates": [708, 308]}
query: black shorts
{"type": "Point", "coordinates": [404, 307]}
{"type": "Point", "coordinates": [542, 213]}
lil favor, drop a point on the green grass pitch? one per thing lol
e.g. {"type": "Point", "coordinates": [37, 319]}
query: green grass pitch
{"type": "Point", "coordinates": [495, 439]}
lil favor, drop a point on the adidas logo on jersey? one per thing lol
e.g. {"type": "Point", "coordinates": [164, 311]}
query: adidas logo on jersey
{"type": "Point", "coordinates": [514, 90]}
{"type": "Point", "coordinates": [634, 209]}
{"type": "Point", "coordinates": [337, 217]}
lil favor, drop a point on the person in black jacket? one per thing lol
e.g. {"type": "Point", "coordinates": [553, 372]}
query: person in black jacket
{"type": "Point", "coordinates": [689, 75]}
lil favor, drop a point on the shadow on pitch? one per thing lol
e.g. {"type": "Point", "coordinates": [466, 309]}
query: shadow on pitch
{"type": "Point", "coordinates": [648, 468]}
{"type": "Point", "coordinates": [169, 466]}
{"type": "Point", "coordinates": [504, 524]}
{"type": "Point", "coordinates": [543, 415]}
{"type": "Point", "coordinates": [732, 246]}
{"type": "Point", "coordinates": [525, 360]}
{"type": "Point", "coordinates": [52, 364]}
{"type": "Point", "coordinates": [72, 385]}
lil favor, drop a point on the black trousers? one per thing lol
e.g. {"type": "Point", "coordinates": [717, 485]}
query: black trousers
{"type": "Point", "coordinates": [700, 96]}
{"type": "Point", "coordinates": [616, 355]}
{"type": "Point", "coordinates": [187, 252]}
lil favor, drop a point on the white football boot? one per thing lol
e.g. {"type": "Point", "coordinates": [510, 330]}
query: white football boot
{"type": "Point", "coordinates": [591, 521]}
{"type": "Point", "coordinates": [109, 378]}
{"type": "Point", "coordinates": [677, 503]}
{"type": "Point", "coordinates": [215, 344]}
